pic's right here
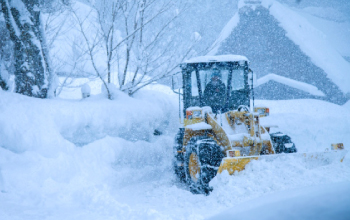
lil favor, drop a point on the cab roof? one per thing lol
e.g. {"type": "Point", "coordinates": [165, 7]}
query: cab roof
{"type": "Point", "coordinates": [219, 58]}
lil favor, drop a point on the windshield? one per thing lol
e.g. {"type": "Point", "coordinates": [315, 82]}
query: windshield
{"type": "Point", "coordinates": [215, 86]}
{"type": "Point", "coordinates": [207, 76]}
{"type": "Point", "coordinates": [237, 79]}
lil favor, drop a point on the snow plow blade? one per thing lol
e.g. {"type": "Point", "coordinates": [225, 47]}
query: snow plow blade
{"type": "Point", "coordinates": [233, 164]}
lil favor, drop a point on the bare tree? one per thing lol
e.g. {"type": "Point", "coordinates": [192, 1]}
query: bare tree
{"type": "Point", "coordinates": [151, 52]}
{"type": "Point", "coordinates": [69, 58]}
{"type": "Point", "coordinates": [137, 40]}
{"type": "Point", "coordinates": [93, 44]}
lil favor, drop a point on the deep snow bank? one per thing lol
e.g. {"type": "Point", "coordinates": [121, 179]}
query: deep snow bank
{"type": "Point", "coordinates": [68, 155]}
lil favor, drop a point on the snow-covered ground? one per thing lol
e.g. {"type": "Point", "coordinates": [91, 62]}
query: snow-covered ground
{"type": "Point", "coordinates": [328, 201]}
{"type": "Point", "coordinates": [99, 159]}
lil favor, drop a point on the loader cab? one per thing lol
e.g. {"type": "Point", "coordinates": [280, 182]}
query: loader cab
{"type": "Point", "coordinates": [220, 82]}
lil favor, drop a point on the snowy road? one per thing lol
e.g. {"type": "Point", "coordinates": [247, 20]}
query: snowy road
{"type": "Point", "coordinates": [329, 201]}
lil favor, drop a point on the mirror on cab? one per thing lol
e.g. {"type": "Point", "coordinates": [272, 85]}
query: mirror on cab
{"type": "Point", "coordinates": [252, 78]}
{"type": "Point", "coordinates": [176, 84]}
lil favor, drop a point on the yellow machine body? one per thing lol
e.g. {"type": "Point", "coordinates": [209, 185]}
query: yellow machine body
{"type": "Point", "coordinates": [235, 131]}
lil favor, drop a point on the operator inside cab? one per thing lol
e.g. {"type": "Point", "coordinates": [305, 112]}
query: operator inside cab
{"type": "Point", "coordinates": [214, 93]}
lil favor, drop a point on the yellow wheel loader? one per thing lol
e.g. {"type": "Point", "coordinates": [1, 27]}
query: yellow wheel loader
{"type": "Point", "coordinates": [221, 128]}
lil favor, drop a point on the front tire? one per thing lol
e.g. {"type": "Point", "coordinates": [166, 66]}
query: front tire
{"type": "Point", "coordinates": [202, 160]}
{"type": "Point", "coordinates": [178, 160]}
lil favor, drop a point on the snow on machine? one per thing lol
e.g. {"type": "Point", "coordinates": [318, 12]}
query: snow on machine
{"type": "Point", "coordinates": [221, 127]}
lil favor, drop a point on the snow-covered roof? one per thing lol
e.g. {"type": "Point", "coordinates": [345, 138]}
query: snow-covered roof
{"type": "Point", "coordinates": [225, 33]}
{"type": "Point", "coordinates": [313, 90]}
{"type": "Point", "coordinates": [311, 41]}
{"type": "Point", "coordinates": [219, 58]}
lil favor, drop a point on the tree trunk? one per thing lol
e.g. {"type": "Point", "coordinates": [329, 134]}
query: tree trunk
{"type": "Point", "coordinates": [32, 70]}
{"type": "Point", "coordinates": [3, 82]}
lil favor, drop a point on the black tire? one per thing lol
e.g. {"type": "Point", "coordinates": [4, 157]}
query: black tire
{"type": "Point", "coordinates": [279, 140]}
{"type": "Point", "coordinates": [178, 159]}
{"type": "Point", "coordinates": [202, 160]}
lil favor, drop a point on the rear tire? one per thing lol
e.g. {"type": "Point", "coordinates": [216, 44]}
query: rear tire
{"type": "Point", "coordinates": [279, 140]}
{"type": "Point", "coordinates": [202, 160]}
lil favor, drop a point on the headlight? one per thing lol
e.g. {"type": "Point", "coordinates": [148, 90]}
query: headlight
{"type": "Point", "coordinates": [197, 114]}
{"type": "Point", "coordinates": [193, 113]}
{"type": "Point", "coordinates": [233, 153]}
{"type": "Point", "coordinates": [262, 111]}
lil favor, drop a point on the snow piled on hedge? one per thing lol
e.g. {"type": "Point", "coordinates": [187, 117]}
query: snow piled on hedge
{"type": "Point", "coordinates": [48, 125]}
{"type": "Point", "coordinates": [67, 154]}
